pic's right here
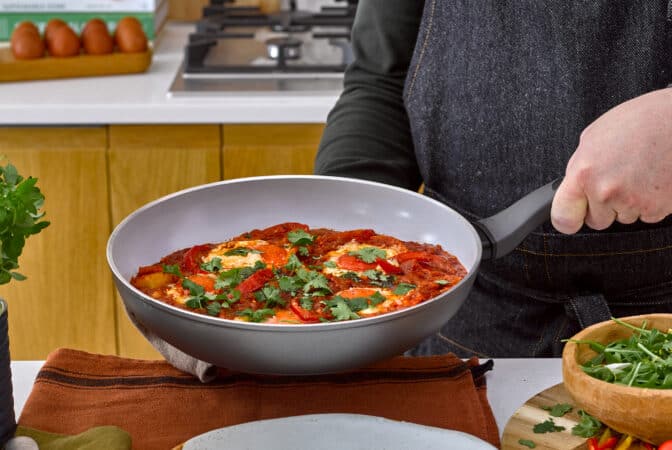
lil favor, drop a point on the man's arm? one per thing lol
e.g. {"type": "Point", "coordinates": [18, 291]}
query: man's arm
{"type": "Point", "coordinates": [368, 134]}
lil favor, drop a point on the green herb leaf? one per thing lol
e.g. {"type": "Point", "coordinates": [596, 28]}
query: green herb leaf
{"type": "Point", "coordinates": [340, 309]}
{"type": "Point", "coordinates": [240, 251]}
{"type": "Point", "coordinates": [547, 426]}
{"type": "Point", "coordinates": [369, 254]}
{"type": "Point", "coordinates": [213, 308]}
{"type": "Point", "coordinates": [559, 409]}
{"type": "Point", "coordinates": [256, 316]}
{"type": "Point", "coordinates": [173, 269]}
{"type": "Point", "coordinates": [404, 288]}
{"type": "Point", "coordinates": [442, 283]}
{"type": "Point", "coordinates": [306, 303]}
{"type": "Point", "coordinates": [293, 263]}
{"type": "Point", "coordinates": [300, 238]}
{"type": "Point", "coordinates": [588, 425]}
{"type": "Point", "coordinates": [270, 296]}
{"type": "Point", "coordinates": [20, 202]}
{"type": "Point", "coordinates": [527, 443]}
{"type": "Point", "coordinates": [377, 298]}
{"type": "Point", "coordinates": [330, 264]}
{"type": "Point", "coordinates": [214, 265]}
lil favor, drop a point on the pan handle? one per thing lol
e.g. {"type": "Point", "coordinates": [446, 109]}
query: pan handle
{"type": "Point", "coordinates": [502, 232]}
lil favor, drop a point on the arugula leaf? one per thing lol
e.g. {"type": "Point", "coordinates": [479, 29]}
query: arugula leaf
{"type": "Point", "coordinates": [547, 426]}
{"type": "Point", "coordinates": [214, 265]}
{"type": "Point", "coordinates": [369, 254]}
{"type": "Point", "coordinates": [240, 251]}
{"type": "Point", "coordinates": [20, 202]}
{"type": "Point", "coordinates": [299, 238]}
{"type": "Point", "coordinates": [559, 409]}
{"type": "Point", "coordinates": [527, 443]}
{"type": "Point", "coordinates": [404, 288]}
{"type": "Point", "coordinates": [588, 425]}
{"type": "Point", "coordinates": [256, 316]}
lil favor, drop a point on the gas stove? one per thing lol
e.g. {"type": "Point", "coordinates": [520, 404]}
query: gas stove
{"type": "Point", "coordinates": [241, 49]}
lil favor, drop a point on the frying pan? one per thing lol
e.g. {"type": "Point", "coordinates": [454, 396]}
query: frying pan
{"type": "Point", "coordinates": [219, 211]}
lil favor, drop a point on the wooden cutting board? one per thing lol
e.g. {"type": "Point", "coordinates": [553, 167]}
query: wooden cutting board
{"type": "Point", "coordinates": [531, 413]}
{"type": "Point", "coordinates": [46, 68]}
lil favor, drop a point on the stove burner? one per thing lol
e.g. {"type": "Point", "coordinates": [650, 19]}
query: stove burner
{"type": "Point", "coordinates": [283, 48]}
{"type": "Point", "coordinates": [289, 21]}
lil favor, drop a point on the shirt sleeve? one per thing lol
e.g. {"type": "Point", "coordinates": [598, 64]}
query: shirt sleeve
{"type": "Point", "coordinates": [367, 134]}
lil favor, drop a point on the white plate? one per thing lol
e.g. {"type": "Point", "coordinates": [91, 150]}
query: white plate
{"type": "Point", "coordinates": [334, 432]}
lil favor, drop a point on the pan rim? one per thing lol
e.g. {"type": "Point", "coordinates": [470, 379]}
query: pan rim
{"type": "Point", "coordinates": [286, 327]}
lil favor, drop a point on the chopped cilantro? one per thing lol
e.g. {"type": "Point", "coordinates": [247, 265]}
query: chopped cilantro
{"type": "Point", "coordinates": [404, 288]}
{"type": "Point", "coordinates": [293, 263]}
{"type": "Point", "coordinates": [256, 316]}
{"type": "Point", "coordinates": [173, 269]}
{"type": "Point", "coordinates": [306, 303]}
{"type": "Point", "coordinates": [214, 308]}
{"type": "Point", "coordinates": [214, 265]}
{"type": "Point", "coordinates": [270, 296]}
{"type": "Point", "coordinates": [358, 303]}
{"type": "Point", "coordinates": [369, 254]}
{"type": "Point", "coordinates": [314, 281]}
{"type": "Point", "coordinates": [377, 298]}
{"type": "Point", "coordinates": [527, 443]}
{"type": "Point", "coordinates": [303, 251]}
{"type": "Point", "coordinates": [442, 283]}
{"type": "Point", "coordinates": [194, 288]}
{"type": "Point", "coordinates": [330, 264]}
{"type": "Point", "coordinates": [588, 425]}
{"type": "Point", "coordinates": [547, 426]}
{"type": "Point", "coordinates": [559, 409]}
{"type": "Point", "coordinates": [352, 276]}
{"type": "Point", "coordinates": [340, 309]}
{"type": "Point", "coordinates": [195, 302]}
{"type": "Point", "coordinates": [240, 251]}
{"type": "Point", "coordinates": [299, 238]}
{"type": "Point", "coordinates": [290, 284]}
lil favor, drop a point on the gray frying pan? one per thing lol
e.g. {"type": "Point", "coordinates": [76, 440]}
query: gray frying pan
{"type": "Point", "coordinates": [218, 211]}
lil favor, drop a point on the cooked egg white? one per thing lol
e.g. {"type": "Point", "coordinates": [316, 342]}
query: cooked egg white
{"type": "Point", "coordinates": [234, 261]}
{"type": "Point", "coordinates": [354, 246]}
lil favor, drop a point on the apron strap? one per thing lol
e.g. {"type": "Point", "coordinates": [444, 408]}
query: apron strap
{"type": "Point", "coordinates": [588, 309]}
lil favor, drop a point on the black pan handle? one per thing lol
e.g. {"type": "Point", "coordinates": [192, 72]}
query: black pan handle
{"type": "Point", "coordinates": [501, 233]}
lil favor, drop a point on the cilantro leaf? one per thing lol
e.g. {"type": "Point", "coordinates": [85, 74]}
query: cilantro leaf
{"type": "Point", "coordinates": [588, 425]}
{"type": "Point", "coordinates": [270, 296]}
{"type": "Point", "coordinates": [306, 303]}
{"type": "Point", "coordinates": [404, 288]}
{"type": "Point", "coordinates": [194, 288]}
{"type": "Point", "coordinates": [358, 303]}
{"type": "Point", "coordinates": [377, 298]}
{"type": "Point", "coordinates": [214, 265]}
{"type": "Point", "coordinates": [290, 284]}
{"type": "Point", "coordinates": [559, 409]}
{"type": "Point", "coordinates": [340, 309]}
{"type": "Point", "coordinates": [240, 251]}
{"type": "Point", "coordinates": [369, 254]}
{"type": "Point", "coordinates": [330, 264]}
{"type": "Point", "coordinates": [443, 283]}
{"type": "Point", "coordinates": [256, 316]}
{"type": "Point", "coordinates": [527, 443]}
{"type": "Point", "coordinates": [299, 238]}
{"type": "Point", "coordinates": [547, 426]}
{"type": "Point", "coordinates": [173, 269]}
{"type": "Point", "coordinates": [213, 308]}
{"type": "Point", "coordinates": [314, 281]}
{"type": "Point", "coordinates": [293, 263]}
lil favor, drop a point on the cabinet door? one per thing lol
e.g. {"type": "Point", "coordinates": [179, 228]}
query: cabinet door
{"type": "Point", "coordinates": [147, 162]}
{"type": "Point", "coordinates": [67, 300]}
{"type": "Point", "coordinates": [252, 150]}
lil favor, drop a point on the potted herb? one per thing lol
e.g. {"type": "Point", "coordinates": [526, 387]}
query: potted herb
{"type": "Point", "coordinates": [20, 217]}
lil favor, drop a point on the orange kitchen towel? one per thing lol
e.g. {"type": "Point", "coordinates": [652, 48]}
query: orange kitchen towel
{"type": "Point", "coordinates": [161, 407]}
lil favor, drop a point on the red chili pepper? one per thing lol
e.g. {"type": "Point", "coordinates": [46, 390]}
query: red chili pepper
{"type": "Point", "coordinates": [305, 315]}
{"type": "Point", "coordinates": [255, 281]}
{"type": "Point", "coordinates": [388, 267]}
{"type": "Point", "coordinates": [592, 444]}
{"type": "Point", "coordinates": [191, 262]}
{"type": "Point", "coordinates": [608, 444]}
{"type": "Point", "coordinates": [648, 446]}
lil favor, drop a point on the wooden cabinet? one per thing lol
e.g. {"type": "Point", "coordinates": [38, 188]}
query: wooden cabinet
{"type": "Point", "coordinates": [67, 300]}
{"type": "Point", "coordinates": [93, 177]}
{"type": "Point", "coordinates": [148, 162]}
{"type": "Point", "coordinates": [251, 150]}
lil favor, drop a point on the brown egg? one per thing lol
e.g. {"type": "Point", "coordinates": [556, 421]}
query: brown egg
{"type": "Point", "coordinates": [129, 36]}
{"type": "Point", "coordinates": [27, 44]}
{"type": "Point", "coordinates": [96, 39]}
{"type": "Point", "coordinates": [63, 43]}
{"type": "Point", "coordinates": [27, 25]}
{"type": "Point", "coordinates": [52, 25]}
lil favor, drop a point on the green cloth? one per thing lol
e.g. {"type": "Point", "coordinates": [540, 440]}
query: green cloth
{"type": "Point", "coordinates": [96, 438]}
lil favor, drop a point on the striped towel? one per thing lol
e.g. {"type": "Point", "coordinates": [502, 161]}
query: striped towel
{"type": "Point", "coordinates": [161, 407]}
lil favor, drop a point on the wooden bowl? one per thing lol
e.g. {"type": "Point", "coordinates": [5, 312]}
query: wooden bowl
{"type": "Point", "coordinates": [641, 412]}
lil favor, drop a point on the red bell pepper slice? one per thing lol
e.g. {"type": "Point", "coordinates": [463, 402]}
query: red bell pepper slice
{"type": "Point", "coordinates": [255, 281]}
{"type": "Point", "coordinates": [305, 315]}
{"type": "Point", "coordinates": [388, 267]}
{"type": "Point", "coordinates": [608, 444]}
{"type": "Point", "coordinates": [191, 262]}
{"type": "Point", "coordinates": [206, 282]}
{"type": "Point", "coordinates": [592, 444]}
{"type": "Point", "coordinates": [154, 268]}
{"type": "Point", "coordinates": [406, 256]}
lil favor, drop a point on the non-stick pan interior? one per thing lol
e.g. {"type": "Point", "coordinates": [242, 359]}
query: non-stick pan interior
{"type": "Point", "coordinates": [219, 211]}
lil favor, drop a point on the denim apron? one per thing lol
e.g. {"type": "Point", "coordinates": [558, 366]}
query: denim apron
{"type": "Point", "coordinates": [497, 94]}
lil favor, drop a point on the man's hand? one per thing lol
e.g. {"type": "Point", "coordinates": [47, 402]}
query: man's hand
{"type": "Point", "coordinates": [622, 169]}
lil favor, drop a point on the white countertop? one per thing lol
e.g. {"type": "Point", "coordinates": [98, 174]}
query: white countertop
{"type": "Point", "coordinates": [511, 383]}
{"type": "Point", "coordinates": [142, 98]}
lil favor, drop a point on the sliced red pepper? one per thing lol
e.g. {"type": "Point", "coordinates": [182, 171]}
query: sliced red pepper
{"type": "Point", "coordinates": [350, 262]}
{"type": "Point", "coordinates": [255, 281]}
{"type": "Point", "coordinates": [191, 262]}
{"type": "Point", "coordinates": [648, 446]}
{"type": "Point", "coordinates": [388, 267]}
{"type": "Point", "coordinates": [608, 444]}
{"type": "Point", "coordinates": [154, 268]}
{"type": "Point", "coordinates": [406, 256]}
{"type": "Point", "coordinates": [592, 444]}
{"type": "Point", "coordinates": [305, 315]}
{"type": "Point", "coordinates": [208, 283]}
